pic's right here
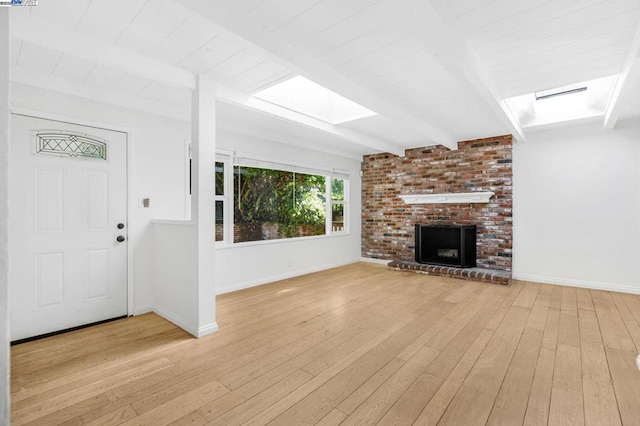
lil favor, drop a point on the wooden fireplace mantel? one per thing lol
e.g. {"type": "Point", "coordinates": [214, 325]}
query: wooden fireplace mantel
{"type": "Point", "coordinates": [454, 197]}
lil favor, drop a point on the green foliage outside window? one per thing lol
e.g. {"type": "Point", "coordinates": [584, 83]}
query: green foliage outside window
{"type": "Point", "coordinates": [271, 204]}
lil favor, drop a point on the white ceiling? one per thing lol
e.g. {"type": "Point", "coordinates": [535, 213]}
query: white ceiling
{"type": "Point", "coordinates": [436, 71]}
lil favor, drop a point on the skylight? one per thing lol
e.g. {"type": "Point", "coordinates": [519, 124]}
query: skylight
{"type": "Point", "coordinates": [579, 101]}
{"type": "Point", "coordinates": [560, 91]}
{"type": "Point", "coordinates": [306, 97]}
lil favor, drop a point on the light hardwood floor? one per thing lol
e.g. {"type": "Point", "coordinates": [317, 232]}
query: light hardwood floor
{"type": "Point", "coordinates": [353, 345]}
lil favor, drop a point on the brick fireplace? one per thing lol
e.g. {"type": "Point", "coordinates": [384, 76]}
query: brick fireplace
{"type": "Point", "coordinates": [478, 165]}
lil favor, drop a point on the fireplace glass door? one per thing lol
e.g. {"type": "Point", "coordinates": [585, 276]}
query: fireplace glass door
{"type": "Point", "coordinates": [447, 245]}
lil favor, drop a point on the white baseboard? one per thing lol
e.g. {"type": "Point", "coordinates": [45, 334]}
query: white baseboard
{"type": "Point", "coordinates": [144, 309]}
{"type": "Point", "coordinates": [177, 320]}
{"type": "Point", "coordinates": [279, 277]}
{"type": "Point", "coordinates": [184, 324]}
{"type": "Point", "coordinates": [577, 283]}
{"type": "Point", "coordinates": [376, 261]}
{"type": "Point", "coordinates": [207, 329]}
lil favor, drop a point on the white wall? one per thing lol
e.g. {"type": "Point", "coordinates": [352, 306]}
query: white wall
{"type": "Point", "coordinates": [158, 170]}
{"type": "Point", "coordinates": [184, 252]}
{"type": "Point", "coordinates": [242, 266]}
{"type": "Point", "coordinates": [159, 174]}
{"type": "Point", "coordinates": [175, 273]}
{"type": "Point", "coordinates": [4, 215]}
{"type": "Point", "coordinates": [577, 207]}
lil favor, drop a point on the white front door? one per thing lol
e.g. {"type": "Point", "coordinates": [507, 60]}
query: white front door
{"type": "Point", "coordinates": [68, 226]}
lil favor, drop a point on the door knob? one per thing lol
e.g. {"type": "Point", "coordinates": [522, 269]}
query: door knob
{"type": "Point", "coordinates": [120, 238]}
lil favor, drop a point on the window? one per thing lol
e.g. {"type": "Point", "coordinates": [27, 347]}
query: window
{"type": "Point", "coordinates": [338, 205]}
{"type": "Point", "coordinates": [306, 97]}
{"type": "Point", "coordinates": [258, 200]}
{"type": "Point", "coordinates": [273, 204]}
{"type": "Point", "coordinates": [71, 145]}
{"type": "Point", "coordinates": [220, 200]}
{"type": "Point", "coordinates": [579, 101]}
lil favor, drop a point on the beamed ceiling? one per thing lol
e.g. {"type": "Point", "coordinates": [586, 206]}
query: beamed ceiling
{"type": "Point", "coordinates": [435, 71]}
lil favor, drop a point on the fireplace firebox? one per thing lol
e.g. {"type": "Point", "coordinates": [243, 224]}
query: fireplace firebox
{"type": "Point", "coordinates": [447, 245]}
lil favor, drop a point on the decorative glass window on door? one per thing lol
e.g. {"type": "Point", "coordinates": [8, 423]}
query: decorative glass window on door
{"type": "Point", "coordinates": [70, 144]}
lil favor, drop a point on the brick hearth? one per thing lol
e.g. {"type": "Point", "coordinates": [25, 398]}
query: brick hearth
{"type": "Point", "coordinates": [472, 274]}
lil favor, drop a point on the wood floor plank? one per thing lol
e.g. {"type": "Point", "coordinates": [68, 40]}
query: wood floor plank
{"type": "Point", "coordinates": [32, 408]}
{"type": "Point", "coordinates": [584, 299]}
{"type": "Point", "coordinates": [451, 355]}
{"type": "Point", "coordinates": [72, 365]}
{"type": "Point", "coordinates": [260, 383]}
{"type": "Point", "coordinates": [192, 419]}
{"type": "Point", "coordinates": [322, 400]}
{"type": "Point", "coordinates": [457, 320]}
{"type": "Point", "coordinates": [380, 401]}
{"type": "Point", "coordinates": [488, 372]}
{"type": "Point", "coordinates": [358, 344]}
{"type": "Point", "coordinates": [510, 405]}
{"type": "Point", "coordinates": [334, 418]}
{"type": "Point", "coordinates": [600, 405]}
{"type": "Point", "coordinates": [436, 407]}
{"type": "Point", "coordinates": [626, 382]}
{"type": "Point", "coordinates": [293, 398]}
{"type": "Point", "coordinates": [459, 343]}
{"type": "Point", "coordinates": [469, 407]}
{"type": "Point", "coordinates": [71, 413]}
{"type": "Point", "coordinates": [613, 328]}
{"type": "Point", "coordinates": [445, 325]}
{"type": "Point", "coordinates": [115, 417]}
{"type": "Point", "coordinates": [167, 393]}
{"type": "Point", "coordinates": [482, 385]}
{"type": "Point", "coordinates": [569, 301]}
{"type": "Point", "coordinates": [357, 397]}
{"type": "Point", "coordinates": [528, 295]}
{"type": "Point", "coordinates": [633, 303]}
{"type": "Point", "coordinates": [259, 402]}
{"type": "Point", "coordinates": [537, 412]}
{"type": "Point", "coordinates": [633, 327]}
{"type": "Point", "coordinates": [409, 405]}
{"type": "Point", "coordinates": [566, 394]}
{"type": "Point", "coordinates": [621, 353]}
{"type": "Point", "coordinates": [175, 408]}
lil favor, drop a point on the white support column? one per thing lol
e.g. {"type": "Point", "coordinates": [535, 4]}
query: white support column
{"type": "Point", "coordinates": [203, 157]}
{"type": "Point", "coordinates": [5, 44]}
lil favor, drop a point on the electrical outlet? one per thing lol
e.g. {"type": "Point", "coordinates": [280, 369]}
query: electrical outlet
{"type": "Point", "coordinates": [638, 362]}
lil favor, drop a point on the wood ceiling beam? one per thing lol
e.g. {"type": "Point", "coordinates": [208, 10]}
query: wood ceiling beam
{"type": "Point", "coordinates": [100, 94]}
{"type": "Point", "coordinates": [43, 33]}
{"type": "Point", "coordinates": [237, 97]}
{"type": "Point", "coordinates": [629, 78]}
{"type": "Point", "coordinates": [439, 27]}
{"type": "Point", "coordinates": [308, 66]}
{"type": "Point", "coordinates": [281, 138]}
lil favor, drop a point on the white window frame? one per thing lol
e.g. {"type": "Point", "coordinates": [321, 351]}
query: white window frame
{"type": "Point", "coordinates": [331, 202]}
{"type": "Point", "coordinates": [225, 157]}
{"type": "Point", "coordinates": [230, 159]}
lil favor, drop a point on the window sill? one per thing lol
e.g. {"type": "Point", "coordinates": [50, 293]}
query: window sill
{"type": "Point", "coordinates": [220, 245]}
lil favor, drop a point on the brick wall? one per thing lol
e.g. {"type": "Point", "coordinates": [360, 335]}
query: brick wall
{"type": "Point", "coordinates": [477, 165]}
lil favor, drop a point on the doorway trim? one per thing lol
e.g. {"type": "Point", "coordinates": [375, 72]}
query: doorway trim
{"type": "Point", "coordinates": [67, 119]}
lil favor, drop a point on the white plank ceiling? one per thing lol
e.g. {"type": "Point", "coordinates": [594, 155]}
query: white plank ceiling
{"type": "Point", "coordinates": [439, 84]}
